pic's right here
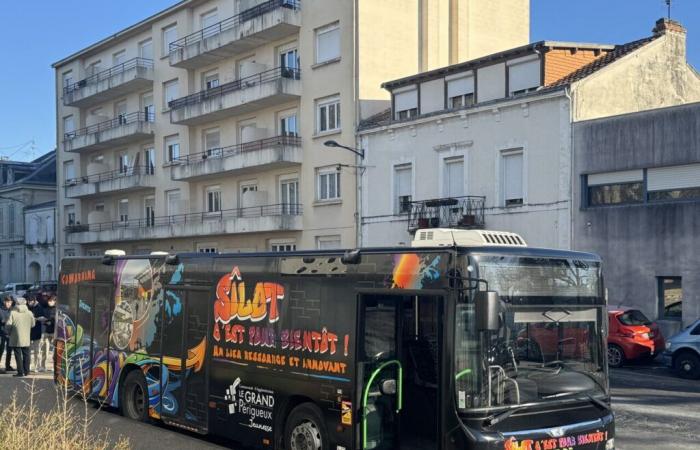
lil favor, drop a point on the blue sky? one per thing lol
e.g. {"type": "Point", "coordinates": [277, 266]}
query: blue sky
{"type": "Point", "coordinates": [33, 38]}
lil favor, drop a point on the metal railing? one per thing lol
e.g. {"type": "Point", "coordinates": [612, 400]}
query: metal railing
{"type": "Point", "coordinates": [111, 175]}
{"type": "Point", "coordinates": [451, 212]}
{"type": "Point", "coordinates": [236, 85]}
{"type": "Point", "coordinates": [232, 22]}
{"type": "Point", "coordinates": [282, 209]}
{"type": "Point", "coordinates": [124, 119]}
{"type": "Point", "coordinates": [108, 73]}
{"type": "Point", "coordinates": [231, 150]}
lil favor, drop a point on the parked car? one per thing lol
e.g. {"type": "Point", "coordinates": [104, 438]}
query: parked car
{"type": "Point", "coordinates": [632, 336]}
{"type": "Point", "coordinates": [17, 289]}
{"type": "Point", "coordinates": [683, 352]}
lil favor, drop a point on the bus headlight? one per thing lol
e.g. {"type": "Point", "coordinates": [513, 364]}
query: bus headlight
{"type": "Point", "coordinates": [610, 444]}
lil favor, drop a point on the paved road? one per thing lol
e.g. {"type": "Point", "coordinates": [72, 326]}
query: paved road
{"type": "Point", "coordinates": [655, 410]}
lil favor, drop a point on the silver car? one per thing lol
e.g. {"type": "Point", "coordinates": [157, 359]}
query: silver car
{"type": "Point", "coordinates": [683, 352]}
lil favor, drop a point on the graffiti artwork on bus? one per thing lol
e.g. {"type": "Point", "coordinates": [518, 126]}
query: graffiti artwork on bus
{"type": "Point", "coordinates": [414, 272]}
{"type": "Point", "coordinates": [138, 299]}
{"type": "Point", "coordinates": [247, 330]}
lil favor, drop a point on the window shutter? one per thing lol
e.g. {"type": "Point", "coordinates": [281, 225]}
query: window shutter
{"type": "Point", "coordinates": [525, 75]}
{"type": "Point", "coordinates": [513, 176]}
{"type": "Point", "coordinates": [406, 100]}
{"type": "Point", "coordinates": [623, 176]}
{"type": "Point", "coordinates": [454, 177]}
{"type": "Point", "coordinates": [460, 86]}
{"type": "Point", "coordinates": [328, 45]}
{"type": "Point", "coordinates": [674, 177]}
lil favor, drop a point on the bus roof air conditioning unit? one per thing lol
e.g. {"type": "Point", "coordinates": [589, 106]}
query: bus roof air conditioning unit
{"type": "Point", "coordinates": [115, 252]}
{"type": "Point", "coordinates": [445, 237]}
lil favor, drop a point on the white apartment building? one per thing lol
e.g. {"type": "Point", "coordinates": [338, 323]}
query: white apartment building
{"type": "Point", "coordinates": [487, 143]}
{"type": "Point", "coordinates": [40, 242]}
{"type": "Point", "coordinates": [202, 127]}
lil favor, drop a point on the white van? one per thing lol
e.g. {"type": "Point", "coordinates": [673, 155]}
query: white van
{"type": "Point", "coordinates": [17, 289]}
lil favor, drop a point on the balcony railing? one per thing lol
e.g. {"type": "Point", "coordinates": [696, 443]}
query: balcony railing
{"type": "Point", "coordinates": [283, 209]}
{"type": "Point", "coordinates": [451, 212]}
{"type": "Point", "coordinates": [232, 22]}
{"type": "Point", "coordinates": [119, 69]}
{"type": "Point", "coordinates": [111, 175]}
{"type": "Point", "coordinates": [124, 119]}
{"type": "Point", "coordinates": [243, 83]}
{"type": "Point", "coordinates": [232, 150]}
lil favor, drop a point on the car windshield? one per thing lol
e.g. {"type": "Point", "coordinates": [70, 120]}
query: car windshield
{"type": "Point", "coordinates": [23, 287]}
{"type": "Point", "coordinates": [634, 317]}
{"type": "Point", "coordinates": [550, 341]}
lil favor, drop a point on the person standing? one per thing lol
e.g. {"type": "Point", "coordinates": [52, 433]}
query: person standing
{"type": "Point", "coordinates": [46, 343]}
{"type": "Point", "coordinates": [37, 331]}
{"type": "Point", "coordinates": [5, 309]}
{"type": "Point", "coordinates": [19, 326]}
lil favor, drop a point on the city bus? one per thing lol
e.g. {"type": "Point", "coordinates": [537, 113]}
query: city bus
{"type": "Point", "coordinates": [464, 340]}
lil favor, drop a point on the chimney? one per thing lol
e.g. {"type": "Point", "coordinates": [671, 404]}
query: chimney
{"type": "Point", "coordinates": [664, 26]}
{"type": "Point", "coordinates": [674, 34]}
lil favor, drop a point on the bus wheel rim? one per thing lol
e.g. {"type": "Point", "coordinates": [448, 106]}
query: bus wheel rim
{"type": "Point", "coordinates": [614, 356]}
{"type": "Point", "coordinates": [138, 400]}
{"type": "Point", "coordinates": [306, 436]}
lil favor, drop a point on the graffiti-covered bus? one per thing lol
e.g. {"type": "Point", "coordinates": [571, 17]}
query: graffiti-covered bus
{"type": "Point", "coordinates": [484, 343]}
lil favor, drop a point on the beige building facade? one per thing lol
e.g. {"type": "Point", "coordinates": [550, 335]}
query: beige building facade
{"type": "Point", "coordinates": [202, 128]}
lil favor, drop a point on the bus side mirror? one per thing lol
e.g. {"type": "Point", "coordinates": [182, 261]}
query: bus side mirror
{"type": "Point", "coordinates": [487, 306]}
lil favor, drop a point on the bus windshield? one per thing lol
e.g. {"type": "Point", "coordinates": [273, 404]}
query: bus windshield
{"type": "Point", "coordinates": [550, 344]}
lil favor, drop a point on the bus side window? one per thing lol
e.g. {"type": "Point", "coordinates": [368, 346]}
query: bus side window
{"type": "Point", "coordinates": [380, 328]}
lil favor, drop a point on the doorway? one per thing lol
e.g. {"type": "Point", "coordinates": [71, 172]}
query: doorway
{"type": "Point", "coordinates": [400, 338]}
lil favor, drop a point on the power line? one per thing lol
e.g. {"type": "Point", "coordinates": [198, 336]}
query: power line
{"type": "Point", "coordinates": [10, 147]}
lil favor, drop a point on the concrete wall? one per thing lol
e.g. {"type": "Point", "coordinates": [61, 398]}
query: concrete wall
{"type": "Point", "coordinates": [537, 125]}
{"type": "Point", "coordinates": [639, 243]}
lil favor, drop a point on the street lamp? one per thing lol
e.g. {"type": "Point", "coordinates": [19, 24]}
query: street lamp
{"type": "Point", "coordinates": [360, 152]}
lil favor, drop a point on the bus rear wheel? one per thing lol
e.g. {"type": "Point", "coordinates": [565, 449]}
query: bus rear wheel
{"type": "Point", "coordinates": [305, 429]}
{"type": "Point", "coordinates": [134, 397]}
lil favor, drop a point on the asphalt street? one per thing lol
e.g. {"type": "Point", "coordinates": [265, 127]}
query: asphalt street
{"type": "Point", "coordinates": [654, 410]}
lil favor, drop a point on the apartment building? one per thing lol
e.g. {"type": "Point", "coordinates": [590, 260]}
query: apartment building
{"type": "Point", "coordinates": [487, 143]}
{"type": "Point", "coordinates": [201, 128]}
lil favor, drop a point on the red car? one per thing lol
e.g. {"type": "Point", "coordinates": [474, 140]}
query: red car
{"type": "Point", "coordinates": [631, 336]}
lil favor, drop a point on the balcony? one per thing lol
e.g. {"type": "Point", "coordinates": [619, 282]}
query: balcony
{"type": "Point", "coordinates": [268, 22]}
{"type": "Point", "coordinates": [255, 219]}
{"type": "Point", "coordinates": [272, 153]}
{"type": "Point", "coordinates": [129, 179]}
{"type": "Point", "coordinates": [125, 129]}
{"type": "Point", "coordinates": [454, 212]}
{"type": "Point", "coordinates": [268, 88]}
{"type": "Point", "coordinates": [133, 75]}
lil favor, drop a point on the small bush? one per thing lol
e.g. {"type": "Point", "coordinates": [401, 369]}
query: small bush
{"type": "Point", "coordinates": [66, 426]}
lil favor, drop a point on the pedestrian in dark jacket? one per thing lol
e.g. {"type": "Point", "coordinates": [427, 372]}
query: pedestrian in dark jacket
{"type": "Point", "coordinates": [46, 343]}
{"type": "Point", "coordinates": [37, 332]}
{"type": "Point", "coordinates": [19, 325]}
{"type": "Point", "coordinates": [5, 309]}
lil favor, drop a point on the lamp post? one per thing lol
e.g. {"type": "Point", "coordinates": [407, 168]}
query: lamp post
{"type": "Point", "coordinates": [358, 187]}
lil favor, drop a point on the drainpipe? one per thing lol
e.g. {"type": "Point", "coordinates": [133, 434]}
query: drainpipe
{"type": "Point", "coordinates": [572, 171]}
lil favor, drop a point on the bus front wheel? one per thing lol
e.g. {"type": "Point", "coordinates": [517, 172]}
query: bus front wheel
{"type": "Point", "coordinates": [305, 429]}
{"type": "Point", "coordinates": [134, 397]}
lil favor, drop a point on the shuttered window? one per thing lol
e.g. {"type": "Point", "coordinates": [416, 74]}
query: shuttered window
{"type": "Point", "coordinates": [454, 177]}
{"type": "Point", "coordinates": [674, 182]}
{"type": "Point", "coordinates": [460, 92]}
{"type": "Point", "coordinates": [406, 104]}
{"type": "Point", "coordinates": [403, 188]}
{"type": "Point", "coordinates": [523, 77]}
{"type": "Point", "coordinates": [513, 179]}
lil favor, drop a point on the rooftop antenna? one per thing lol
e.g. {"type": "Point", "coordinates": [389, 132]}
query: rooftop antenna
{"type": "Point", "coordinates": [668, 4]}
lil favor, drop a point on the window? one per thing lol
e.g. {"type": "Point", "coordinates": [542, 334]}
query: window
{"type": "Point", "coordinates": [2, 221]}
{"type": "Point", "coordinates": [213, 199]}
{"type": "Point", "coordinates": [670, 298]}
{"type": "Point", "coordinates": [674, 183]}
{"type": "Point", "coordinates": [11, 218]}
{"type": "Point", "coordinates": [120, 112]}
{"type": "Point", "coordinates": [283, 245]}
{"type": "Point", "coordinates": [208, 19]}
{"type": "Point", "coordinates": [406, 104]}
{"type": "Point", "coordinates": [147, 107]}
{"type": "Point", "coordinates": [212, 143]}
{"type": "Point", "coordinates": [94, 252]}
{"type": "Point", "coordinates": [123, 210]}
{"type": "Point", "coordinates": [328, 242]}
{"type": "Point", "coordinates": [460, 92]}
{"type": "Point", "coordinates": [149, 160]}
{"type": "Point", "coordinates": [170, 92]}
{"type": "Point", "coordinates": [94, 68]}
{"type": "Point", "coordinates": [123, 163]}
{"type": "Point", "coordinates": [328, 114]}
{"type": "Point", "coordinates": [172, 202]}
{"type": "Point", "coordinates": [68, 126]}
{"type": "Point", "coordinates": [524, 76]}
{"type": "Point", "coordinates": [403, 188]}
{"type": "Point", "coordinates": [512, 183]}
{"type": "Point", "coordinates": [289, 63]}
{"type": "Point", "coordinates": [328, 43]}
{"type": "Point", "coordinates": [205, 249]}
{"type": "Point", "coordinates": [69, 252]}
{"type": "Point", "coordinates": [172, 148]}
{"type": "Point", "coordinates": [615, 188]}
{"type": "Point", "coordinates": [119, 58]}
{"type": "Point", "coordinates": [453, 177]}
{"type": "Point", "coordinates": [210, 80]}
{"type": "Point", "coordinates": [288, 125]}
{"type": "Point", "coordinates": [69, 172]}
{"type": "Point", "coordinates": [146, 49]}
{"type": "Point", "coordinates": [289, 196]}
{"type": "Point", "coordinates": [169, 36]}
{"type": "Point", "coordinates": [328, 185]}
{"type": "Point", "coordinates": [99, 207]}
{"type": "Point", "coordinates": [67, 78]}
{"type": "Point", "coordinates": [149, 205]}
{"type": "Point", "coordinates": [69, 215]}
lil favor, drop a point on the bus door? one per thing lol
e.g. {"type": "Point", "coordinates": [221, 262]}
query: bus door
{"type": "Point", "coordinates": [80, 363]}
{"type": "Point", "coordinates": [102, 361]}
{"type": "Point", "coordinates": [399, 350]}
{"type": "Point", "coordinates": [184, 387]}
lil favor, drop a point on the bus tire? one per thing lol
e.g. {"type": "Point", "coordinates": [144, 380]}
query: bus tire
{"type": "Point", "coordinates": [134, 397]}
{"type": "Point", "coordinates": [305, 429]}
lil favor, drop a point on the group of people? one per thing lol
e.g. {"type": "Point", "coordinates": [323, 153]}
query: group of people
{"type": "Point", "coordinates": [26, 329]}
